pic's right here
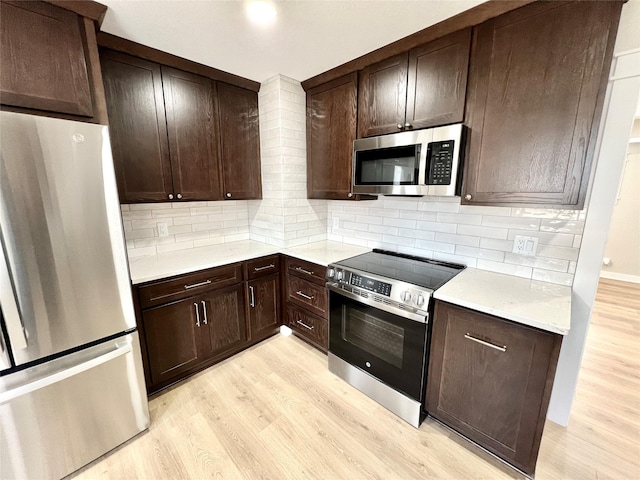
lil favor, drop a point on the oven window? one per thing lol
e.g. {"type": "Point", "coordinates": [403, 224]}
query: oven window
{"type": "Point", "coordinates": [388, 166]}
{"type": "Point", "coordinates": [382, 339]}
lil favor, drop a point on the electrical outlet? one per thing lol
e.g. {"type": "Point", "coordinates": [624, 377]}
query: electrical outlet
{"type": "Point", "coordinates": [163, 229]}
{"type": "Point", "coordinates": [336, 222]}
{"type": "Point", "coordinates": [523, 245]}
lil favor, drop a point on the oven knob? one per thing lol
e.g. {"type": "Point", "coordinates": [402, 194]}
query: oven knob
{"type": "Point", "coordinates": [339, 275]}
{"type": "Point", "coordinates": [331, 272]}
{"type": "Point", "coordinates": [419, 300]}
{"type": "Point", "coordinates": [406, 296]}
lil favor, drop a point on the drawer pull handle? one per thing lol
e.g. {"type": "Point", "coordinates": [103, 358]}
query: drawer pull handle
{"type": "Point", "coordinates": [259, 269]}
{"type": "Point", "coordinates": [197, 314]}
{"type": "Point", "coordinates": [300, 269]}
{"type": "Point", "coordinates": [252, 302]}
{"type": "Point", "coordinates": [204, 309]}
{"type": "Point", "coordinates": [194, 285]}
{"type": "Point", "coordinates": [502, 348]}
{"type": "Point", "coordinates": [304, 295]}
{"type": "Point", "coordinates": [300, 322]}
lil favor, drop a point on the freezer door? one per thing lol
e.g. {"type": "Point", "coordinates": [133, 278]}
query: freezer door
{"type": "Point", "coordinates": [60, 415]}
{"type": "Point", "coordinates": [67, 280]}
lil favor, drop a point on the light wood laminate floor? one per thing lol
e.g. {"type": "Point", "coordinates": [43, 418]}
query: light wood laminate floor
{"type": "Point", "coordinates": [275, 411]}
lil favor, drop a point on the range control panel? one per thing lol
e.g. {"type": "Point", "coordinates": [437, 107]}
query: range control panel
{"type": "Point", "coordinates": [440, 158]}
{"type": "Point", "coordinates": [374, 286]}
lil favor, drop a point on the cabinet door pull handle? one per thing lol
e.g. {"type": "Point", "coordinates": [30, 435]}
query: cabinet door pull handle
{"type": "Point", "coordinates": [194, 285]}
{"type": "Point", "coordinates": [300, 269]}
{"type": "Point", "coordinates": [252, 302]}
{"type": "Point", "coordinates": [300, 322]}
{"type": "Point", "coordinates": [502, 348]}
{"type": "Point", "coordinates": [204, 309]}
{"type": "Point", "coordinates": [304, 295]}
{"type": "Point", "coordinates": [197, 314]}
{"type": "Point", "coordinates": [259, 269]}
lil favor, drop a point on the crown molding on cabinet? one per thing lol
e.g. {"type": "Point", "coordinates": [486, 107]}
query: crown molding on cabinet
{"type": "Point", "coordinates": [86, 8]}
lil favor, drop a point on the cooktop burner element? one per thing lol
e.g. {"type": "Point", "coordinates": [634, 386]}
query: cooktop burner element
{"type": "Point", "coordinates": [392, 281]}
{"type": "Point", "coordinates": [422, 272]}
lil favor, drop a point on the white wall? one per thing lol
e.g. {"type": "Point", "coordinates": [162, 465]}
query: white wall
{"type": "Point", "coordinates": [618, 113]}
{"type": "Point", "coordinates": [623, 243]}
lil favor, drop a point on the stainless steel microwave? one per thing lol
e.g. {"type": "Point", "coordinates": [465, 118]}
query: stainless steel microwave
{"type": "Point", "coordinates": [420, 162]}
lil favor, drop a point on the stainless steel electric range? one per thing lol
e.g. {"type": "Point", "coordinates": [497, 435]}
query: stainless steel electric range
{"type": "Point", "coordinates": [379, 325]}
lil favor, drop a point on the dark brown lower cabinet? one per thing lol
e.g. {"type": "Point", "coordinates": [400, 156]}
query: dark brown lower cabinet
{"type": "Point", "coordinates": [264, 307]}
{"type": "Point", "coordinates": [226, 326]}
{"type": "Point", "coordinates": [490, 379]}
{"type": "Point", "coordinates": [189, 322]}
{"type": "Point", "coordinates": [173, 339]}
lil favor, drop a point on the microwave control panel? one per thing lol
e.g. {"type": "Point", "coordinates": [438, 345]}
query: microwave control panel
{"type": "Point", "coordinates": [374, 286]}
{"type": "Point", "coordinates": [440, 158]}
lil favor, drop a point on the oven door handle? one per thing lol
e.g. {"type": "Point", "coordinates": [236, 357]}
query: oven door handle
{"type": "Point", "coordinates": [416, 315]}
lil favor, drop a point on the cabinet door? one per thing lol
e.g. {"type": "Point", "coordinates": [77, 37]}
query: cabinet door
{"type": "Point", "coordinates": [536, 86]}
{"type": "Point", "coordinates": [192, 125]}
{"type": "Point", "coordinates": [331, 130]}
{"type": "Point", "coordinates": [438, 81]}
{"type": "Point", "coordinates": [240, 140]}
{"type": "Point", "coordinates": [491, 380]}
{"type": "Point", "coordinates": [137, 126]}
{"type": "Point", "coordinates": [383, 97]}
{"type": "Point", "coordinates": [264, 307]}
{"type": "Point", "coordinates": [173, 335]}
{"type": "Point", "coordinates": [43, 59]}
{"type": "Point", "coordinates": [226, 326]}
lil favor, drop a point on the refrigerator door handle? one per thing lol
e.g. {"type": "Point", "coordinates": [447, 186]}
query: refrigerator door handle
{"type": "Point", "coordinates": [15, 327]}
{"type": "Point", "coordinates": [121, 349]}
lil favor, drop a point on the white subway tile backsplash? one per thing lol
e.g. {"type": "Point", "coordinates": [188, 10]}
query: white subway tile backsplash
{"type": "Point", "coordinates": [476, 210]}
{"type": "Point", "coordinates": [566, 253]}
{"type": "Point", "coordinates": [575, 227]}
{"type": "Point", "coordinates": [553, 277]}
{"type": "Point", "coordinates": [482, 231]}
{"type": "Point", "coordinates": [435, 246]}
{"type": "Point", "coordinates": [399, 222]}
{"type": "Point", "coordinates": [523, 223]}
{"type": "Point", "coordinates": [437, 227]}
{"type": "Point", "coordinates": [545, 238]}
{"type": "Point", "coordinates": [458, 239]}
{"type": "Point", "coordinates": [544, 263]}
{"type": "Point", "coordinates": [495, 244]}
{"type": "Point", "coordinates": [509, 269]}
{"type": "Point", "coordinates": [459, 218]}
{"type": "Point", "coordinates": [494, 255]}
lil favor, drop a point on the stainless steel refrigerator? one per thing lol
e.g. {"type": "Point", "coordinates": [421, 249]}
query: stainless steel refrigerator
{"type": "Point", "coordinates": [71, 381]}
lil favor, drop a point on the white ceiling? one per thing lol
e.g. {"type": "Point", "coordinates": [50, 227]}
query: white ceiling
{"type": "Point", "coordinates": [308, 38]}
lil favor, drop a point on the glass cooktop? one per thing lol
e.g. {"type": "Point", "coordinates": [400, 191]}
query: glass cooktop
{"type": "Point", "coordinates": [422, 272]}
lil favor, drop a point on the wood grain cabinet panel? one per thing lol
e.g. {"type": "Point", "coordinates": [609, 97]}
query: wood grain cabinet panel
{"type": "Point", "coordinates": [491, 380]}
{"type": "Point", "coordinates": [264, 307]}
{"type": "Point", "coordinates": [437, 81]}
{"type": "Point", "coordinates": [536, 87]}
{"type": "Point", "coordinates": [308, 295]}
{"type": "Point", "coordinates": [331, 129]}
{"type": "Point", "coordinates": [191, 105]}
{"type": "Point", "coordinates": [44, 62]}
{"type": "Point", "coordinates": [224, 314]}
{"type": "Point", "coordinates": [310, 327]}
{"type": "Point", "coordinates": [137, 126]}
{"type": "Point", "coordinates": [172, 339]}
{"type": "Point", "coordinates": [383, 97]}
{"type": "Point", "coordinates": [240, 142]}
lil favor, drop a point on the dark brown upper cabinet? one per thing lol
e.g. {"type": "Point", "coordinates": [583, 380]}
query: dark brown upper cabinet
{"type": "Point", "coordinates": [178, 136]}
{"type": "Point", "coordinates": [240, 135]}
{"type": "Point", "coordinates": [331, 130]}
{"type": "Point", "coordinates": [49, 62]}
{"type": "Point", "coordinates": [191, 107]}
{"type": "Point", "coordinates": [536, 86]}
{"type": "Point", "coordinates": [138, 128]}
{"type": "Point", "coordinates": [421, 88]}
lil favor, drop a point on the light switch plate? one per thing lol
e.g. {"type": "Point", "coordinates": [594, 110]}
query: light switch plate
{"type": "Point", "coordinates": [163, 229]}
{"type": "Point", "coordinates": [523, 245]}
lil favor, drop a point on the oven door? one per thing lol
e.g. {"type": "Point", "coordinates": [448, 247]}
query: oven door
{"type": "Point", "coordinates": [387, 346]}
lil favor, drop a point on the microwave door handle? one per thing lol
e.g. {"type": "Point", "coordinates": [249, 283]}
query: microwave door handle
{"type": "Point", "coordinates": [10, 311]}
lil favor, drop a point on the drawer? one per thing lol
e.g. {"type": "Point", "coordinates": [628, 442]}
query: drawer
{"type": "Point", "coordinates": [307, 270]}
{"type": "Point", "coordinates": [172, 289]}
{"type": "Point", "coordinates": [308, 295]}
{"type": "Point", "coordinates": [308, 326]}
{"type": "Point", "coordinates": [263, 266]}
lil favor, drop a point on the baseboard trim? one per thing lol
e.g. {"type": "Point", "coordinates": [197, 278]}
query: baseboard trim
{"type": "Point", "coordinates": [623, 277]}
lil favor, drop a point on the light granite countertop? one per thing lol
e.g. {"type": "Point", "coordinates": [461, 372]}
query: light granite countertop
{"type": "Point", "coordinates": [155, 267]}
{"type": "Point", "coordinates": [530, 302]}
{"type": "Point", "coordinates": [543, 305]}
